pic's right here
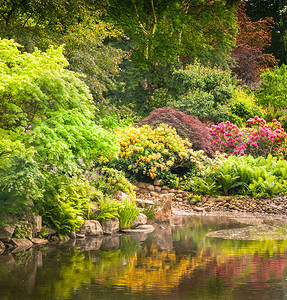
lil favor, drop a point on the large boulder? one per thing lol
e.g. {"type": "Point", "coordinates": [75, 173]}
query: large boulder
{"type": "Point", "coordinates": [163, 208]}
{"type": "Point", "coordinates": [120, 196]}
{"type": "Point", "coordinates": [111, 226]}
{"type": "Point", "coordinates": [141, 219]}
{"type": "Point", "coordinates": [21, 243]}
{"type": "Point", "coordinates": [2, 247]}
{"type": "Point", "coordinates": [91, 228]}
{"type": "Point", "coordinates": [6, 233]}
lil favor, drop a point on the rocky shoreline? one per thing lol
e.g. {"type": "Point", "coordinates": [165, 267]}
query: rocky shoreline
{"type": "Point", "coordinates": [183, 203]}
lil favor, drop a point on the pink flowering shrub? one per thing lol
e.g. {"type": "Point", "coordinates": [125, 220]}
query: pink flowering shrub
{"type": "Point", "coordinates": [257, 139]}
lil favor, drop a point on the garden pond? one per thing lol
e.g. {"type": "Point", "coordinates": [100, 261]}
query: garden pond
{"type": "Point", "coordinates": [178, 261]}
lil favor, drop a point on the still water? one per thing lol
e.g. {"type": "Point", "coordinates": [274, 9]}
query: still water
{"type": "Point", "coordinates": [173, 262]}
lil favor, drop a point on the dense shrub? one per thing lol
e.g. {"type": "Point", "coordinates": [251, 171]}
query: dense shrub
{"type": "Point", "coordinates": [243, 106]}
{"type": "Point", "coordinates": [109, 181]}
{"type": "Point", "coordinates": [273, 89]}
{"type": "Point", "coordinates": [202, 91]}
{"type": "Point", "coordinates": [146, 152]}
{"type": "Point", "coordinates": [258, 139]}
{"type": "Point", "coordinates": [243, 175]}
{"type": "Point", "coordinates": [64, 202]}
{"type": "Point", "coordinates": [48, 136]}
{"type": "Point", "coordinates": [186, 127]}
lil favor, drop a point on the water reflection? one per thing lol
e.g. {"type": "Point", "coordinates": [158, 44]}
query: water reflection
{"type": "Point", "coordinates": [174, 262]}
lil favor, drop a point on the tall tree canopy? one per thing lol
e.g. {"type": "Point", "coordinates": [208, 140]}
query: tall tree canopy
{"type": "Point", "coordinates": [77, 24]}
{"type": "Point", "coordinates": [163, 34]}
{"type": "Point", "coordinates": [277, 9]}
{"type": "Point", "coordinates": [172, 30]}
{"type": "Point", "coordinates": [251, 43]}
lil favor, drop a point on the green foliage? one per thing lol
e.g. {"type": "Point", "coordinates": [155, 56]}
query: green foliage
{"type": "Point", "coordinates": [21, 231]}
{"type": "Point", "coordinates": [127, 214]}
{"type": "Point", "coordinates": [66, 136]}
{"type": "Point", "coordinates": [202, 91]}
{"type": "Point", "coordinates": [46, 22]}
{"type": "Point", "coordinates": [149, 211]}
{"type": "Point", "coordinates": [258, 177]}
{"type": "Point", "coordinates": [109, 209]}
{"type": "Point", "coordinates": [273, 88]}
{"type": "Point", "coordinates": [243, 106]}
{"type": "Point", "coordinates": [113, 117]}
{"type": "Point", "coordinates": [146, 152]}
{"type": "Point", "coordinates": [109, 181]}
{"type": "Point", "coordinates": [64, 202]}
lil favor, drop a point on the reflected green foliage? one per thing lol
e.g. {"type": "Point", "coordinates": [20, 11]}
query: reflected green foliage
{"type": "Point", "coordinates": [213, 268]}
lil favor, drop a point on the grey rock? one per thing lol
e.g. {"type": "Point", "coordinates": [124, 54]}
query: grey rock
{"type": "Point", "coordinates": [141, 219]}
{"type": "Point", "coordinates": [2, 247]}
{"type": "Point", "coordinates": [23, 243]}
{"type": "Point", "coordinates": [144, 203]}
{"type": "Point", "coordinates": [139, 229]}
{"type": "Point", "coordinates": [37, 241]}
{"type": "Point", "coordinates": [91, 228]}
{"type": "Point", "coordinates": [163, 208]}
{"type": "Point", "coordinates": [6, 233]}
{"type": "Point", "coordinates": [121, 196]}
{"type": "Point", "coordinates": [110, 243]}
{"type": "Point", "coordinates": [111, 226]}
{"type": "Point", "coordinates": [90, 243]}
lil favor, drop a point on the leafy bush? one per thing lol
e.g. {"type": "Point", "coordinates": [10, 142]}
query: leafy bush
{"type": "Point", "coordinates": [243, 106]}
{"type": "Point", "coordinates": [259, 139]}
{"type": "Point", "coordinates": [109, 181]}
{"type": "Point", "coordinates": [201, 105]}
{"type": "Point", "coordinates": [186, 127]}
{"type": "Point", "coordinates": [65, 136]}
{"type": "Point", "coordinates": [146, 152]}
{"type": "Point", "coordinates": [21, 231]}
{"type": "Point", "coordinates": [64, 202]}
{"type": "Point", "coordinates": [202, 91]}
{"type": "Point", "coordinates": [48, 136]}
{"type": "Point", "coordinates": [127, 214]}
{"type": "Point", "coordinates": [273, 90]}
{"type": "Point", "coordinates": [21, 178]}
{"type": "Point", "coordinates": [108, 209]}
{"type": "Point", "coordinates": [243, 175]}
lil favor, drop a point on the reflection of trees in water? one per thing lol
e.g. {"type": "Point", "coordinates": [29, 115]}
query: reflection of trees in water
{"type": "Point", "coordinates": [196, 266]}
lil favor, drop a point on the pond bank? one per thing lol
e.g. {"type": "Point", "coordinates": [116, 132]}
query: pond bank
{"type": "Point", "coordinates": [252, 211]}
{"type": "Point", "coordinates": [186, 202]}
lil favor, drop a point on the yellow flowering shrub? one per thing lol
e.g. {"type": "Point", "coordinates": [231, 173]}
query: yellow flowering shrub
{"type": "Point", "coordinates": [147, 152]}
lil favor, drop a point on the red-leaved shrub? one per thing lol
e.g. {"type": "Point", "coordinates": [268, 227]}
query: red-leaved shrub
{"type": "Point", "coordinates": [187, 127]}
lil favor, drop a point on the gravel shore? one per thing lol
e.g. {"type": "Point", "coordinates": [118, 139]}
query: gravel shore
{"type": "Point", "coordinates": [237, 207]}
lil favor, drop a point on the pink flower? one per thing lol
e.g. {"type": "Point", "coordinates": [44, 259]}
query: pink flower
{"type": "Point", "coordinates": [275, 149]}
{"type": "Point", "coordinates": [236, 151]}
{"type": "Point", "coordinates": [223, 144]}
{"type": "Point", "coordinates": [254, 144]}
{"type": "Point", "coordinates": [241, 152]}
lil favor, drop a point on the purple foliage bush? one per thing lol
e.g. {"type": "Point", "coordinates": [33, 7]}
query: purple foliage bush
{"type": "Point", "coordinates": [187, 127]}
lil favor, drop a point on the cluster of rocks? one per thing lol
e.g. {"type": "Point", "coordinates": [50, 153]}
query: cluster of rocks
{"type": "Point", "coordinates": [90, 228]}
{"type": "Point", "coordinates": [154, 190]}
{"type": "Point", "coordinates": [183, 201]}
{"type": "Point", "coordinates": [274, 205]}
{"type": "Point", "coordinates": [32, 229]}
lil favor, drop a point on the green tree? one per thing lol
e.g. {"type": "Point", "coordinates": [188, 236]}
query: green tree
{"type": "Point", "coordinates": [273, 89]}
{"type": "Point", "coordinates": [76, 24]}
{"type": "Point", "coordinates": [48, 133]}
{"type": "Point", "coordinates": [164, 34]}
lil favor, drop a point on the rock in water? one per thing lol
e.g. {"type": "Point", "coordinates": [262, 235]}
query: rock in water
{"type": "Point", "coordinates": [252, 233]}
